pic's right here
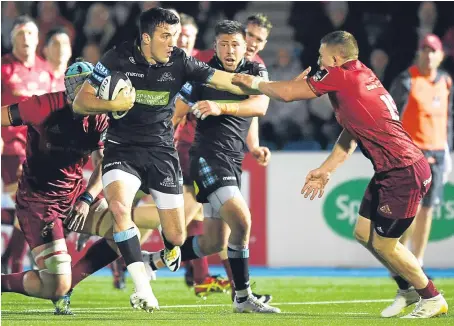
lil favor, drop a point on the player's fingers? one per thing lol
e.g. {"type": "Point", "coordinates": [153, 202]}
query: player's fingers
{"type": "Point", "coordinates": [322, 191]}
{"type": "Point", "coordinates": [308, 191]}
{"type": "Point", "coordinates": [314, 193]}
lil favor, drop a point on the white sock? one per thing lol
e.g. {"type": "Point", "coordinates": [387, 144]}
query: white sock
{"type": "Point", "coordinates": [139, 277]}
{"type": "Point", "coordinates": [244, 293]}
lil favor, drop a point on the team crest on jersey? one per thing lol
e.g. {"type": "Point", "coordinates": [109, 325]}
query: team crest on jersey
{"type": "Point", "coordinates": [319, 75]}
{"type": "Point", "coordinates": [131, 59]}
{"type": "Point", "coordinates": [165, 77]}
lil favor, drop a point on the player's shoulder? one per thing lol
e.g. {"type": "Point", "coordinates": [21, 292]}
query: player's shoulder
{"type": "Point", "coordinates": [120, 51]}
{"type": "Point", "coordinates": [254, 68]}
{"type": "Point", "coordinates": [258, 59]}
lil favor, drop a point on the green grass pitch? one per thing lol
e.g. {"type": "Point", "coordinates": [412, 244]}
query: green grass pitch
{"type": "Point", "coordinates": [303, 301]}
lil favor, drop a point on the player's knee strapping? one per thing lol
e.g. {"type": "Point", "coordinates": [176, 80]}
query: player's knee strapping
{"type": "Point", "coordinates": [218, 198]}
{"type": "Point", "coordinates": [56, 259]}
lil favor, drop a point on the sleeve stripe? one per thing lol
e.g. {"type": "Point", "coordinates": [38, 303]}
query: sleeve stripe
{"type": "Point", "coordinates": [312, 87]}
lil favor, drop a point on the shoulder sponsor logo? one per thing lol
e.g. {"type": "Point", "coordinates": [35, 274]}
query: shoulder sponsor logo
{"type": "Point", "coordinates": [319, 75]}
{"type": "Point", "coordinates": [152, 98]}
{"type": "Point", "coordinates": [229, 178]}
{"type": "Point", "coordinates": [101, 69]}
{"type": "Point", "coordinates": [165, 77]}
{"type": "Point", "coordinates": [134, 74]}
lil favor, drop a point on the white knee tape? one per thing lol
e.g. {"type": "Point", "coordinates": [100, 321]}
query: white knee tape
{"type": "Point", "coordinates": [220, 196]}
{"type": "Point", "coordinates": [56, 259]}
{"type": "Point", "coordinates": [167, 201]}
{"type": "Point", "coordinates": [58, 264]}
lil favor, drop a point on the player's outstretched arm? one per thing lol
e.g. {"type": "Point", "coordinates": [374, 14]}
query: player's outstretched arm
{"type": "Point", "coordinates": [344, 147]}
{"type": "Point", "coordinates": [222, 80]}
{"type": "Point", "coordinates": [261, 154]}
{"type": "Point", "coordinates": [86, 101]}
{"type": "Point", "coordinates": [254, 106]}
{"type": "Point", "coordinates": [285, 91]}
{"type": "Point", "coordinates": [34, 110]}
{"type": "Point", "coordinates": [317, 179]}
{"type": "Point", "coordinates": [77, 216]}
{"type": "Point", "coordinates": [181, 109]}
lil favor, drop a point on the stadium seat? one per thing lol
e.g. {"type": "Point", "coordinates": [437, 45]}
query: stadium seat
{"type": "Point", "coordinates": [303, 145]}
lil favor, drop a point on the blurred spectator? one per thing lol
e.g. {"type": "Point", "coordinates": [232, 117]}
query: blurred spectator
{"type": "Point", "coordinates": [324, 127]}
{"type": "Point", "coordinates": [24, 74]}
{"type": "Point", "coordinates": [188, 35]}
{"type": "Point", "coordinates": [49, 17]}
{"type": "Point", "coordinates": [57, 51]}
{"type": "Point", "coordinates": [284, 122]}
{"type": "Point", "coordinates": [379, 62]}
{"type": "Point", "coordinates": [91, 53]}
{"type": "Point", "coordinates": [405, 32]}
{"type": "Point", "coordinates": [99, 28]}
{"type": "Point", "coordinates": [10, 11]}
{"type": "Point", "coordinates": [448, 43]}
{"type": "Point", "coordinates": [316, 19]}
{"type": "Point", "coordinates": [423, 95]}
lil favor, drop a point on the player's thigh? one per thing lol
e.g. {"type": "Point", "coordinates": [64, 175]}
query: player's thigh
{"type": "Point", "coordinates": [39, 220]}
{"type": "Point", "coordinates": [165, 183]}
{"type": "Point", "coordinates": [387, 232]}
{"type": "Point", "coordinates": [121, 181]}
{"type": "Point", "coordinates": [146, 216]}
{"type": "Point", "coordinates": [192, 209]}
{"type": "Point", "coordinates": [99, 220]}
{"type": "Point", "coordinates": [362, 229]}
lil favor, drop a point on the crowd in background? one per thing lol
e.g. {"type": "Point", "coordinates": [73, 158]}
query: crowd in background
{"type": "Point", "coordinates": [387, 32]}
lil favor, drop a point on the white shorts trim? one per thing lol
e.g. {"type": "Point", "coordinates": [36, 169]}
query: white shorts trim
{"type": "Point", "coordinates": [210, 212]}
{"type": "Point", "coordinates": [167, 201]}
{"type": "Point", "coordinates": [221, 195]}
{"type": "Point", "coordinates": [119, 175]}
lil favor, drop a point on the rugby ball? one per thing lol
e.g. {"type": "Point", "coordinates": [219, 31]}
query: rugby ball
{"type": "Point", "coordinates": [111, 86]}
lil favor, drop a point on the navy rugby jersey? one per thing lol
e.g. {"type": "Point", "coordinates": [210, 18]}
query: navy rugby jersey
{"type": "Point", "coordinates": [148, 123]}
{"type": "Point", "coordinates": [224, 133]}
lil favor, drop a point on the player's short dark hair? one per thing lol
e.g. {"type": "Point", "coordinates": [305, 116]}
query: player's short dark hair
{"type": "Point", "coordinates": [188, 20]}
{"type": "Point", "coordinates": [344, 41]}
{"type": "Point", "coordinates": [52, 32]}
{"type": "Point", "coordinates": [229, 27]}
{"type": "Point", "coordinates": [260, 20]}
{"type": "Point", "coordinates": [155, 17]}
{"type": "Point", "coordinates": [24, 19]}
